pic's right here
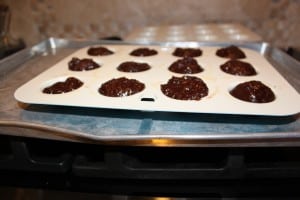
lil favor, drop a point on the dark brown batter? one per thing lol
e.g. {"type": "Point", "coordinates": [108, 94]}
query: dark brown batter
{"type": "Point", "coordinates": [143, 52]}
{"type": "Point", "coordinates": [133, 67]}
{"type": "Point", "coordinates": [99, 51]}
{"type": "Point", "coordinates": [239, 68]}
{"type": "Point", "coordinates": [253, 91]}
{"type": "Point", "coordinates": [121, 87]}
{"type": "Point", "coordinates": [186, 65]}
{"type": "Point", "coordinates": [69, 85]}
{"type": "Point", "coordinates": [77, 64]}
{"type": "Point", "coordinates": [232, 52]}
{"type": "Point", "coordinates": [185, 88]}
{"type": "Point", "coordinates": [187, 52]}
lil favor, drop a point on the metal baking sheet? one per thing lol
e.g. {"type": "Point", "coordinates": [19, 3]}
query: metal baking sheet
{"type": "Point", "coordinates": [218, 100]}
{"type": "Point", "coordinates": [111, 126]}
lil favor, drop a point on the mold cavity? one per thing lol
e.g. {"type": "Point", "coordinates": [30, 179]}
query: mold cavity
{"type": "Point", "coordinates": [99, 51]}
{"type": "Point", "coordinates": [253, 92]}
{"type": "Point", "coordinates": [131, 66]}
{"type": "Point", "coordinates": [61, 85]}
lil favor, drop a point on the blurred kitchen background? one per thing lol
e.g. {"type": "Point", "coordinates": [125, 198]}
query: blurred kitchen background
{"type": "Point", "coordinates": [276, 21]}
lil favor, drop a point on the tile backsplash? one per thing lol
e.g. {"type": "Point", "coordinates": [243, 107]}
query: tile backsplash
{"type": "Point", "coordinates": [276, 21]}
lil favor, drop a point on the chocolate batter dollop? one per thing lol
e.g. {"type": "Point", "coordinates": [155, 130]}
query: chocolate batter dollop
{"type": "Point", "coordinates": [68, 85]}
{"type": "Point", "coordinates": [185, 88]}
{"type": "Point", "coordinates": [143, 52]}
{"type": "Point", "coordinates": [121, 87]}
{"type": "Point", "coordinates": [77, 64]}
{"type": "Point", "coordinates": [236, 67]}
{"type": "Point", "coordinates": [253, 91]}
{"type": "Point", "coordinates": [186, 65]}
{"type": "Point", "coordinates": [232, 52]}
{"type": "Point", "coordinates": [187, 52]}
{"type": "Point", "coordinates": [99, 51]}
{"type": "Point", "coordinates": [133, 67]}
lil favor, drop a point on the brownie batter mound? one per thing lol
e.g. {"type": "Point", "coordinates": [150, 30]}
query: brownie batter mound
{"type": "Point", "coordinates": [236, 67]}
{"type": "Point", "coordinates": [121, 87]}
{"type": "Point", "coordinates": [133, 67]}
{"type": "Point", "coordinates": [187, 52]}
{"type": "Point", "coordinates": [77, 64]}
{"type": "Point", "coordinates": [141, 52]}
{"type": "Point", "coordinates": [99, 51]}
{"type": "Point", "coordinates": [253, 91]}
{"type": "Point", "coordinates": [185, 88]}
{"type": "Point", "coordinates": [186, 65]}
{"type": "Point", "coordinates": [69, 85]}
{"type": "Point", "coordinates": [232, 52]}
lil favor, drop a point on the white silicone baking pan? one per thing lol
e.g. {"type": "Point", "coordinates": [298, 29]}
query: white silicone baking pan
{"type": "Point", "coordinates": [218, 101]}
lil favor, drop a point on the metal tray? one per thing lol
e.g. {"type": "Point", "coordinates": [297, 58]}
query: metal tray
{"type": "Point", "coordinates": [125, 127]}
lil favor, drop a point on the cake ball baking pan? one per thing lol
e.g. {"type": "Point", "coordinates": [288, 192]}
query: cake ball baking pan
{"type": "Point", "coordinates": [151, 98]}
